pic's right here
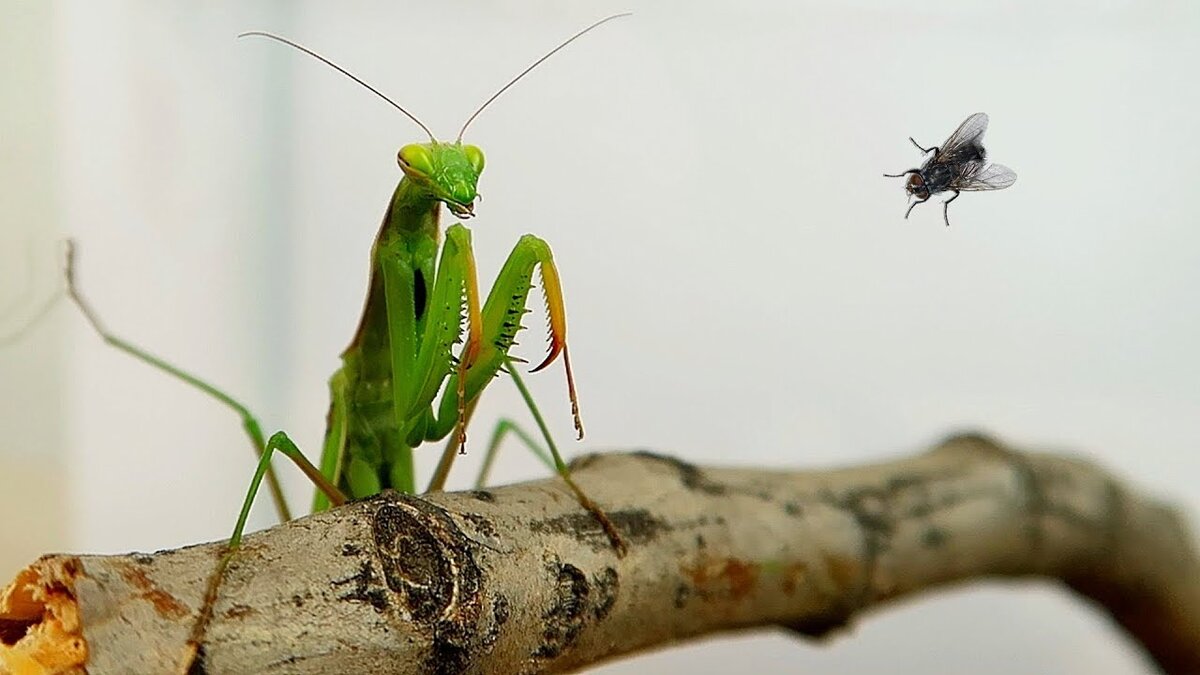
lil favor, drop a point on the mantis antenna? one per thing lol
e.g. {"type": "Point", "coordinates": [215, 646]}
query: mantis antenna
{"type": "Point", "coordinates": [535, 64]}
{"type": "Point", "coordinates": [352, 76]}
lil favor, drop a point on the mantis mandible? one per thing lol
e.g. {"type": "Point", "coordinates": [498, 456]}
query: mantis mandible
{"type": "Point", "coordinates": [423, 300]}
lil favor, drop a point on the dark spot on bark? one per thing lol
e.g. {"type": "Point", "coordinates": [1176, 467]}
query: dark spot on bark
{"type": "Point", "coordinates": [500, 614]}
{"type": "Point", "coordinates": [350, 550]}
{"type": "Point", "coordinates": [484, 496]}
{"type": "Point", "coordinates": [198, 666]}
{"type": "Point", "coordinates": [689, 474]}
{"type": "Point", "coordinates": [608, 587]}
{"type": "Point", "coordinates": [682, 593]}
{"type": "Point", "coordinates": [297, 601]}
{"type": "Point", "coordinates": [793, 509]}
{"type": "Point", "coordinates": [449, 656]}
{"type": "Point", "coordinates": [143, 559]}
{"type": "Point", "coordinates": [482, 525]}
{"type": "Point", "coordinates": [566, 617]}
{"type": "Point", "coordinates": [871, 509]}
{"type": "Point", "coordinates": [364, 588]}
{"type": "Point", "coordinates": [933, 537]}
{"type": "Point", "coordinates": [820, 627]}
{"type": "Point", "coordinates": [500, 610]}
{"type": "Point", "coordinates": [637, 526]}
{"type": "Point", "coordinates": [700, 542]}
{"type": "Point", "coordinates": [216, 552]}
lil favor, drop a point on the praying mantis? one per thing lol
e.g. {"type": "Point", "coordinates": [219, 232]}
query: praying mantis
{"type": "Point", "coordinates": [402, 382]}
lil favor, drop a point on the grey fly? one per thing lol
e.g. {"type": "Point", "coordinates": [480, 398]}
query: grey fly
{"type": "Point", "coordinates": [958, 165]}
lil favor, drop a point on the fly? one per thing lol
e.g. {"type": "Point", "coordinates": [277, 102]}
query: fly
{"type": "Point", "coordinates": [959, 165]}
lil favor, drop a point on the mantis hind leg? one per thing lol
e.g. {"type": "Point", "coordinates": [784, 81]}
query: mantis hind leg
{"type": "Point", "coordinates": [249, 422]}
{"type": "Point", "coordinates": [503, 428]}
{"type": "Point", "coordinates": [280, 442]}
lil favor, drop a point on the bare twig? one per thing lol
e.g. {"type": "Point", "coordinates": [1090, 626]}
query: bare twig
{"type": "Point", "coordinates": [521, 580]}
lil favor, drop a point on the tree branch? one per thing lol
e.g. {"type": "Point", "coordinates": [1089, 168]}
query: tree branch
{"type": "Point", "coordinates": [519, 579]}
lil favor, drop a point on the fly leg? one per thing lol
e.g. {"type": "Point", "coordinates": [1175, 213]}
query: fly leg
{"type": "Point", "coordinates": [934, 148]}
{"type": "Point", "coordinates": [901, 175]}
{"type": "Point", "coordinates": [914, 204]}
{"type": "Point", "coordinates": [946, 207]}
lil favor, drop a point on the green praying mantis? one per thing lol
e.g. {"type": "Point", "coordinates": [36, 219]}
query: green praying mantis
{"type": "Point", "coordinates": [423, 301]}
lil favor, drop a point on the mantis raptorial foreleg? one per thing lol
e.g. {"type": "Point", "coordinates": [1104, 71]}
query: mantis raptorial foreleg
{"type": "Point", "coordinates": [502, 313]}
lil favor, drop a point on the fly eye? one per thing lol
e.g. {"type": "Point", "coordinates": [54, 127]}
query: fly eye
{"type": "Point", "coordinates": [417, 158]}
{"type": "Point", "coordinates": [474, 157]}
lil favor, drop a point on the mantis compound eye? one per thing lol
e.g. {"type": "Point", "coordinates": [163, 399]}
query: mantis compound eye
{"type": "Point", "coordinates": [417, 158]}
{"type": "Point", "coordinates": [474, 157]}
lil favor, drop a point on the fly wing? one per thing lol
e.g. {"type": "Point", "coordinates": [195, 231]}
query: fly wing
{"type": "Point", "coordinates": [970, 132]}
{"type": "Point", "coordinates": [990, 177]}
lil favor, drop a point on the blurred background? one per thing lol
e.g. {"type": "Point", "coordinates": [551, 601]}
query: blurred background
{"type": "Point", "coordinates": [708, 174]}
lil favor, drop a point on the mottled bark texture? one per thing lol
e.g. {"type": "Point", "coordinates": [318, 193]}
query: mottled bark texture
{"type": "Point", "coordinates": [521, 580]}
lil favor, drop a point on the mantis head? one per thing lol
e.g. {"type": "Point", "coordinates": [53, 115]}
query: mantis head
{"type": "Point", "coordinates": [448, 172]}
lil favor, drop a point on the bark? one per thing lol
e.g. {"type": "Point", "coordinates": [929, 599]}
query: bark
{"type": "Point", "coordinates": [521, 580]}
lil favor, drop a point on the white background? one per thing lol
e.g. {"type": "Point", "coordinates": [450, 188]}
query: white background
{"type": "Point", "coordinates": [741, 285]}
